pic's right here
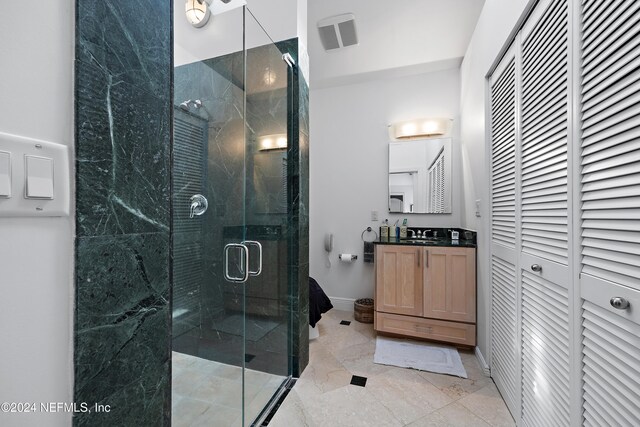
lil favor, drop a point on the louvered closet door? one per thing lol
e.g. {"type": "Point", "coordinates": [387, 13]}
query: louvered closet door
{"type": "Point", "coordinates": [544, 214]}
{"type": "Point", "coordinates": [610, 194]}
{"type": "Point", "coordinates": [504, 340]}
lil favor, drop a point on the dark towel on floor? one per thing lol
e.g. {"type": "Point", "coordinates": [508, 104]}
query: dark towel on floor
{"type": "Point", "coordinates": [368, 251]}
{"type": "Point", "coordinates": [319, 302]}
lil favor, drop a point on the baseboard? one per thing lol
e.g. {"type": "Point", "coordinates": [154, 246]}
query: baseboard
{"type": "Point", "coordinates": [344, 304]}
{"type": "Point", "coordinates": [483, 363]}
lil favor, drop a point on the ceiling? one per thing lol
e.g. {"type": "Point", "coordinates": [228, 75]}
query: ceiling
{"type": "Point", "coordinates": [399, 37]}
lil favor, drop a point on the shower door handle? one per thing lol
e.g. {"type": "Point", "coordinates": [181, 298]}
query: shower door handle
{"type": "Point", "coordinates": [259, 246]}
{"type": "Point", "coordinates": [244, 262]}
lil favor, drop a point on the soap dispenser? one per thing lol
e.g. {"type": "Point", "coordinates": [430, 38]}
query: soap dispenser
{"type": "Point", "coordinates": [384, 230]}
{"type": "Point", "coordinates": [403, 229]}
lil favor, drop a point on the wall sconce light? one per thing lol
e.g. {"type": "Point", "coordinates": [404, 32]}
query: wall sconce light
{"type": "Point", "coordinates": [197, 12]}
{"type": "Point", "coordinates": [272, 142]}
{"type": "Point", "coordinates": [421, 128]}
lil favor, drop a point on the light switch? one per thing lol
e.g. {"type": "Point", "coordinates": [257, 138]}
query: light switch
{"type": "Point", "coordinates": [39, 171]}
{"type": "Point", "coordinates": [5, 174]}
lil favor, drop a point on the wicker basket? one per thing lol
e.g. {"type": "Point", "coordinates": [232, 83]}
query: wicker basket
{"type": "Point", "coordinates": [363, 310]}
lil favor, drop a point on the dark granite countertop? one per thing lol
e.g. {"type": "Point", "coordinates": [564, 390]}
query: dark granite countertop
{"type": "Point", "coordinates": [436, 237]}
{"type": "Point", "coordinates": [433, 241]}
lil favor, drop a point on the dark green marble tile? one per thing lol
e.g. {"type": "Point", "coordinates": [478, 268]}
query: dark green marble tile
{"type": "Point", "coordinates": [123, 84]}
{"type": "Point", "coordinates": [122, 328]}
{"type": "Point", "coordinates": [123, 116]}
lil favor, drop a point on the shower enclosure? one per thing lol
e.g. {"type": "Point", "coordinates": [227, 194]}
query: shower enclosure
{"type": "Point", "coordinates": [231, 222]}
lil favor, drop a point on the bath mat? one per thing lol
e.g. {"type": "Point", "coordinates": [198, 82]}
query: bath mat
{"type": "Point", "coordinates": [418, 355]}
{"type": "Point", "coordinates": [257, 327]}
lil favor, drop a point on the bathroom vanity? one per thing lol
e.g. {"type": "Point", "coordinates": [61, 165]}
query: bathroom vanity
{"type": "Point", "coordinates": [426, 288]}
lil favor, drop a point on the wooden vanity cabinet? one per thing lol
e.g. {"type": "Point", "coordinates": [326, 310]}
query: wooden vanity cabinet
{"type": "Point", "coordinates": [450, 284]}
{"type": "Point", "coordinates": [400, 276]}
{"type": "Point", "coordinates": [426, 292]}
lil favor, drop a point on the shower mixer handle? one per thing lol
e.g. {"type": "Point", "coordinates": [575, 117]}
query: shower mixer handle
{"type": "Point", "coordinates": [199, 205]}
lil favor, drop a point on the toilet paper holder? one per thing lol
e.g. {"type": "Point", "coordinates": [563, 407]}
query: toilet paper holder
{"type": "Point", "coordinates": [353, 257]}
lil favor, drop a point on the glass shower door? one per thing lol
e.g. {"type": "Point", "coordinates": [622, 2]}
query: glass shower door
{"type": "Point", "coordinates": [208, 213]}
{"type": "Point", "coordinates": [231, 316]}
{"type": "Point", "coordinates": [267, 314]}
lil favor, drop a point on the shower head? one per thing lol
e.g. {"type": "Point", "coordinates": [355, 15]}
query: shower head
{"type": "Point", "coordinates": [186, 105]}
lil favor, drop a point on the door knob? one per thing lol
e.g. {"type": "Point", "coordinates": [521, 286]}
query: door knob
{"type": "Point", "coordinates": [619, 303]}
{"type": "Point", "coordinates": [536, 267]}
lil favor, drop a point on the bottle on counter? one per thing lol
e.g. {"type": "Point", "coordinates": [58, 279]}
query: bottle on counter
{"type": "Point", "coordinates": [403, 230]}
{"type": "Point", "coordinates": [384, 230]}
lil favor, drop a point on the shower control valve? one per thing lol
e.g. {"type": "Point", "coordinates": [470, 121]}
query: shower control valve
{"type": "Point", "coordinates": [199, 205]}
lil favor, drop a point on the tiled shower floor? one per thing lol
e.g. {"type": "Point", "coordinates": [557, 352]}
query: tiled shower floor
{"type": "Point", "coordinates": [325, 395]}
{"type": "Point", "coordinates": [208, 393]}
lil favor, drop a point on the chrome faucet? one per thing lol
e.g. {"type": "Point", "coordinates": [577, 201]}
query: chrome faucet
{"type": "Point", "coordinates": [413, 233]}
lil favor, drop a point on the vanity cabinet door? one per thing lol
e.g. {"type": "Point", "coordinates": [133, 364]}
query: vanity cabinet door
{"type": "Point", "coordinates": [399, 279]}
{"type": "Point", "coordinates": [450, 284]}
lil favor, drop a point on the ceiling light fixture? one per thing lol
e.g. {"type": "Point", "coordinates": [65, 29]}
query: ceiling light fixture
{"type": "Point", "coordinates": [269, 77]}
{"type": "Point", "coordinates": [197, 12]}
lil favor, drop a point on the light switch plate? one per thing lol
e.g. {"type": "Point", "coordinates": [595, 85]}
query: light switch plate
{"type": "Point", "coordinates": [478, 208]}
{"type": "Point", "coordinates": [5, 174]}
{"type": "Point", "coordinates": [50, 178]}
{"type": "Point", "coordinates": [374, 215]}
{"type": "Point", "coordinates": [39, 177]}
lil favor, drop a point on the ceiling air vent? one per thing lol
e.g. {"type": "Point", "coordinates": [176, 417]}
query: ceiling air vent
{"type": "Point", "coordinates": [338, 31]}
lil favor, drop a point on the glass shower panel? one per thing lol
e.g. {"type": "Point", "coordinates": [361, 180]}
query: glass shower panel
{"type": "Point", "coordinates": [267, 314]}
{"type": "Point", "coordinates": [231, 341]}
{"type": "Point", "coordinates": [208, 203]}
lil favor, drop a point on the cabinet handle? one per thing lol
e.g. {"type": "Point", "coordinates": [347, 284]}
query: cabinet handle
{"type": "Point", "coordinates": [619, 303]}
{"type": "Point", "coordinates": [419, 256]}
{"type": "Point", "coordinates": [536, 267]}
{"type": "Point", "coordinates": [426, 259]}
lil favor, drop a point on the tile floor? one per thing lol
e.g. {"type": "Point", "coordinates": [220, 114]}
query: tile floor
{"type": "Point", "coordinates": [324, 395]}
{"type": "Point", "coordinates": [208, 393]}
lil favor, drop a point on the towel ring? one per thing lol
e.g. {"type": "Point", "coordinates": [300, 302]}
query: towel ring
{"type": "Point", "coordinates": [369, 230]}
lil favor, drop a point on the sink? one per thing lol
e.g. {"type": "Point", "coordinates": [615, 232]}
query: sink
{"type": "Point", "coordinates": [427, 240]}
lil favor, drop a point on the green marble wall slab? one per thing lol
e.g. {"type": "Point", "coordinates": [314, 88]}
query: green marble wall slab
{"type": "Point", "coordinates": [123, 87]}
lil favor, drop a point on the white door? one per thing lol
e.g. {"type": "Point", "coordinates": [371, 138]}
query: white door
{"type": "Point", "coordinates": [531, 278]}
{"type": "Point", "coordinates": [504, 243]}
{"type": "Point", "coordinates": [545, 210]}
{"type": "Point", "coordinates": [610, 211]}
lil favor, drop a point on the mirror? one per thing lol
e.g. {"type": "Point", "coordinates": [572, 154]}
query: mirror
{"type": "Point", "coordinates": [420, 176]}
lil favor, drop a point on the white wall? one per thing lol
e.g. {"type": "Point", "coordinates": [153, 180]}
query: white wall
{"type": "Point", "coordinates": [36, 254]}
{"type": "Point", "coordinates": [223, 34]}
{"type": "Point", "coordinates": [497, 20]}
{"type": "Point", "coordinates": [349, 167]}
{"type": "Point", "coordinates": [392, 34]}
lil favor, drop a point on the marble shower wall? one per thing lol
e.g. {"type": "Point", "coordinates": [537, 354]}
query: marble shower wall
{"type": "Point", "coordinates": [298, 154]}
{"type": "Point", "coordinates": [123, 83]}
{"type": "Point", "coordinates": [223, 103]}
